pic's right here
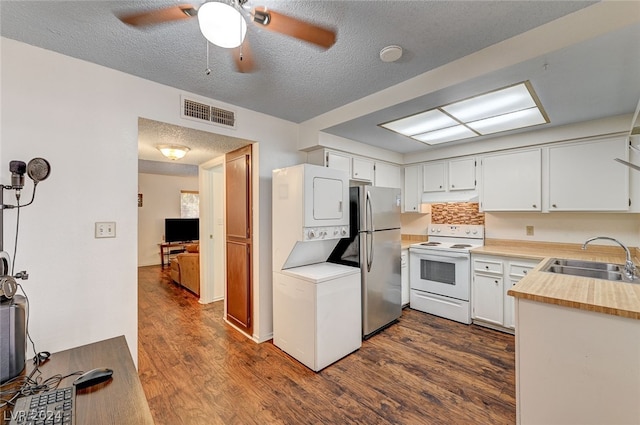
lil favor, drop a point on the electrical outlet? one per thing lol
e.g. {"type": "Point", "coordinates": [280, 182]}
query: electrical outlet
{"type": "Point", "coordinates": [529, 230]}
{"type": "Point", "coordinates": [105, 229]}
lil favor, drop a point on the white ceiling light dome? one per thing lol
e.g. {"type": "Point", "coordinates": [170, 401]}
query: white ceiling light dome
{"type": "Point", "coordinates": [173, 152]}
{"type": "Point", "coordinates": [222, 24]}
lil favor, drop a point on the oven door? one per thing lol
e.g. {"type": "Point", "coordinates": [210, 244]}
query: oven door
{"type": "Point", "coordinates": [446, 274]}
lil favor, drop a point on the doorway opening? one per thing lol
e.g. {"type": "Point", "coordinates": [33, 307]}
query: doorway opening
{"type": "Point", "coordinates": [204, 163]}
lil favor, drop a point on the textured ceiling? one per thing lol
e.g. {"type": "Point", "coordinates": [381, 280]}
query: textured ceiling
{"type": "Point", "coordinates": [594, 79]}
{"type": "Point", "coordinates": [204, 145]}
{"type": "Point", "coordinates": [297, 81]}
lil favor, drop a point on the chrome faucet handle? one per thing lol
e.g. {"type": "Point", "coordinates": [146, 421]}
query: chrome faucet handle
{"type": "Point", "coordinates": [630, 269]}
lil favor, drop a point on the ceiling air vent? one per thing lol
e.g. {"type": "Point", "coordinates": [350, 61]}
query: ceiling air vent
{"type": "Point", "coordinates": [201, 111]}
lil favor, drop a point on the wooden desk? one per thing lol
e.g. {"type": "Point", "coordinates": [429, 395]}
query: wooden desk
{"type": "Point", "coordinates": [120, 400]}
{"type": "Point", "coordinates": [166, 251]}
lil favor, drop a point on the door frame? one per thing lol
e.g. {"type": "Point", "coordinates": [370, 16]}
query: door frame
{"type": "Point", "coordinates": [212, 256]}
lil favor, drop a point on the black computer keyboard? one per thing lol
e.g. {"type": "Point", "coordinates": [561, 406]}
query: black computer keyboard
{"type": "Point", "coordinates": [54, 407]}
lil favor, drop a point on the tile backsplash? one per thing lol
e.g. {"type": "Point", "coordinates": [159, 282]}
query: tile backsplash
{"type": "Point", "coordinates": [456, 213]}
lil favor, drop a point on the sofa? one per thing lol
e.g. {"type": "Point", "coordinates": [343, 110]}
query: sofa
{"type": "Point", "coordinates": [185, 268]}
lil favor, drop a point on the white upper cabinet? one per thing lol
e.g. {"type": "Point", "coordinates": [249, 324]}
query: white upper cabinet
{"type": "Point", "coordinates": [512, 181]}
{"type": "Point", "coordinates": [387, 175]}
{"type": "Point", "coordinates": [433, 177]}
{"type": "Point", "coordinates": [338, 161]}
{"type": "Point", "coordinates": [357, 168]}
{"type": "Point", "coordinates": [462, 174]}
{"type": "Point", "coordinates": [412, 189]}
{"type": "Point", "coordinates": [584, 176]}
{"type": "Point", "coordinates": [362, 169]}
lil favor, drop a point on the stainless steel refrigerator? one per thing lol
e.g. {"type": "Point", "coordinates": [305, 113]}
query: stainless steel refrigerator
{"type": "Point", "coordinates": [374, 246]}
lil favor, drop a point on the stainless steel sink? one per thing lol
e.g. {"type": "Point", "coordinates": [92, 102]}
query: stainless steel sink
{"type": "Point", "coordinates": [577, 271]}
{"type": "Point", "coordinates": [593, 269]}
{"type": "Point", "coordinates": [588, 265]}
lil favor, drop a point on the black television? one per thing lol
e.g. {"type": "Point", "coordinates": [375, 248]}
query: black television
{"type": "Point", "coordinates": [181, 229]}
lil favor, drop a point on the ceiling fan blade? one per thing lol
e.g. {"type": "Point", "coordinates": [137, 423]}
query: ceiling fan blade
{"type": "Point", "coordinates": [159, 16]}
{"type": "Point", "coordinates": [293, 27]}
{"type": "Point", "coordinates": [243, 57]}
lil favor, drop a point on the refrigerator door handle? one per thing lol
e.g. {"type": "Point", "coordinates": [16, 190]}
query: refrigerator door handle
{"type": "Point", "coordinates": [369, 250]}
{"type": "Point", "coordinates": [369, 213]}
{"type": "Point", "coordinates": [369, 230]}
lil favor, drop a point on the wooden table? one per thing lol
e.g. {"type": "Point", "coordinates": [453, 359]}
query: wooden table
{"type": "Point", "coordinates": [120, 400]}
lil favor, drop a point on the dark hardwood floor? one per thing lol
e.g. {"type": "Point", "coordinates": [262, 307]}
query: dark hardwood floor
{"type": "Point", "coordinates": [423, 370]}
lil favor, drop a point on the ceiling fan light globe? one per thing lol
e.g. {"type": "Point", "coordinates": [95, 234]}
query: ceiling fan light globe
{"type": "Point", "coordinates": [222, 24]}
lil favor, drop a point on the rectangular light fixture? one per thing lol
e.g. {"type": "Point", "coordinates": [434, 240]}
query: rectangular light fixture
{"type": "Point", "coordinates": [444, 135]}
{"type": "Point", "coordinates": [421, 123]}
{"type": "Point", "coordinates": [509, 108]}
{"type": "Point", "coordinates": [510, 121]}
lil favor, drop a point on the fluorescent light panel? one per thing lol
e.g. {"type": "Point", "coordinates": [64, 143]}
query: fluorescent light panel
{"type": "Point", "coordinates": [505, 109]}
{"type": "Point", "coordinates": [421, 123]}
{"type": "Point", "coordinates": [518, 119]}
{"type": "Point", "coordinates": [492, 104]}
{"type": "Point", "coordinates": [444, 135]}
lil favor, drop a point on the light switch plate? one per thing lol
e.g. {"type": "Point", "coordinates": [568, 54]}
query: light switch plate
{"type": "Point", "coordinates": [105, 229]}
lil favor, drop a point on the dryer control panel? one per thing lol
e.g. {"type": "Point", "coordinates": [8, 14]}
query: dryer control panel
{"type": "Point", "coordinates": [325, 232]}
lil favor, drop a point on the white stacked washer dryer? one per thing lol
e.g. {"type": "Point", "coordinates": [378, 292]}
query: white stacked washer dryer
{"type": "Point", "coordinates": [316, 305]}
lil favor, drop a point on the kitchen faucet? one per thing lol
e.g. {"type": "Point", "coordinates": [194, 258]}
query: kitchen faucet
{"type": "Point", "coordinates": [629, 267]}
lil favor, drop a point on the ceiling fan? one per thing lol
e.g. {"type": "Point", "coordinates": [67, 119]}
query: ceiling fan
{"type": "Point", "coordinates": [224, 23]}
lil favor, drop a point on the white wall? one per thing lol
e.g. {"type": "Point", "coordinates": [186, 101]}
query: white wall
{"type": "Point", "coordinates": [84, 119]}
{"type": "Point", "coordinates": [161, 199]}
{"type": "Point", "coordinates": [415, 224]}
{"type": "Point", "coordinates": [564, 227]}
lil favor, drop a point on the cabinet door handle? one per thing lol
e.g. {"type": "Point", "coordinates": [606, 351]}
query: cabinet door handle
{"type": "Point", "coordinates": [486, 267]}
{"type": "Point", "coordinates": [440, 187]}
{"type": "Point", "coordinates": [453, 185]}
{"type": "Point", "coordinates": [496, 282]}
{"type": "Point", "coordinates": [534, 205]}
{"type": "Point", "coordinates": [524, 272]}
{"type": "Point", "coordinates": [554, 206]}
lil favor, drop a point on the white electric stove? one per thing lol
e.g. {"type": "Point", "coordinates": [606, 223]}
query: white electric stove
{"type": "Point", "coordinates": [440, 270]}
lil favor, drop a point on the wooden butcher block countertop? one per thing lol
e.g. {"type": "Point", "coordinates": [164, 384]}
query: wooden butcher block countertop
{"type": "Point", "coordinates": [602, 296]}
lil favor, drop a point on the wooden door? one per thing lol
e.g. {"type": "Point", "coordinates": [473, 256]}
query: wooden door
{"type": "Point", "coordinates": [239, 238]}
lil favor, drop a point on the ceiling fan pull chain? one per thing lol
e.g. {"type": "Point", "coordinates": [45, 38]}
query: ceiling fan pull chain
{"type": "Point", "coordinates": [208, 70]}
{"type": "Point", "coordinates": [241, 44]}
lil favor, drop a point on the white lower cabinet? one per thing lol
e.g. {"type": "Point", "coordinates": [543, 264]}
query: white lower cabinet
{"type": "Point", "coordinates": [404, 276]}
{"type": "Point", "coordinates": [488, 299]}
{"type": "Point", "coordinates": [492, 278]}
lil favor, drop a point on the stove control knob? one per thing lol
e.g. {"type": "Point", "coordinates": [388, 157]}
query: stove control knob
{"type": "Point", "coordinates": [311, 234]}
{"type": "Point", "coordinates": [467, 231]}
{"type": "Point", "coordinates": [475, 232]}
{"type": "Point", "coordinates": [433, 229]}
{"type": "Point", "coordinates": [438, 230]}
{"type": "Point", "coordinates": [343, 232]}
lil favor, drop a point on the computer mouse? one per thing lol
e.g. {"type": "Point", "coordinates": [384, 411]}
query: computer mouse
{"type": "Point", "coordinates": [93, 377]}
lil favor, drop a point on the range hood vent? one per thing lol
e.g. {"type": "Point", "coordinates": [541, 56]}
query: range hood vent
{"type": "Point", "coordinates": [201, 111]}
